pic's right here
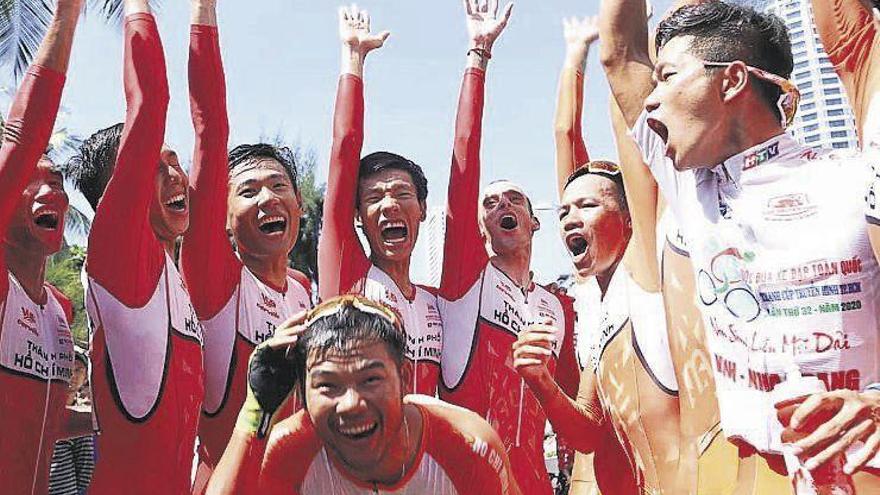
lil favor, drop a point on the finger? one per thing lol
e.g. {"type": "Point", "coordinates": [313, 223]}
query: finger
{"type": "Point", "coordinates": [828, 431]}
{"type": "Point", "coordinates": [507, 11]}
{"type": "Point", "coordinates": [282, 342]}
{"type": "Point", "coordinates": [384, 35]}
{"type": "Point", "coordinates": [525, 362]}
{"type": "Point", "coordinates": [542, 340]}
{"type": "Point", "coordinates": [366, 16]}
{"type": "Point", "coordinates": [839, 447]}
{"type": "Point", "coordinates": [863, 455]}
{"type": "Point", "coordinates": [291, 330]}
{"type": "Point", "coordinates": [806, 409]}
{"type": "Point", "coordinates": [343, 14]}
{"type": "Point", "coordinates": [467, 7]}
{"type": "Point", "coordinates": [534, 351]}
{"type": "Point", "coordinates": [297, 319]}
{"type": "Point", "coordinates": [493, 8]}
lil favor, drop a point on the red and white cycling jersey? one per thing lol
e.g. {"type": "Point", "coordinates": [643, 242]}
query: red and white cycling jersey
{"type": "Point", "coordinates": [459, 454]}
{"type": "Point", "coordinates": [785, 272]}
{"type": "Point", "coordinates": [236, 308]}
{"type": "Point", "coordinates": [486, 310]}
{"type": "Point", "coordinates": [343, 265]}
{"type": "Point", "coordinates": [147, 377]}
{"type": "Point", "coordinates": [36, 365]}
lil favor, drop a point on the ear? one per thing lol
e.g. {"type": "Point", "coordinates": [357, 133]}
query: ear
{"type": "Point", "coordinates": [424, 211]}
{"type": "Point", "coordinates": [536, 224]}
{"type": "Point", "coordinates": [735, 81]}
{"type": "Point", "coordinates": [406, 375]}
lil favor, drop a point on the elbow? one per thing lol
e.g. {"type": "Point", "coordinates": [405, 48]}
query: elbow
{"type": "Point", "coordinates": [564, 132]}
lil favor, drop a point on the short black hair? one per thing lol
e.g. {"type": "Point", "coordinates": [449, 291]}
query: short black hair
{"type": "Point", "coordinates": [92, 166]}
{"type": "Point", "coordinates": [346, 329]}
{"type": "Point", "coordinates": [725, 32]}
{"type": "Point", "coordinates": [596, 167]}
{"type": "Point", "coordinates": [381, 160]}
{"type": "Point", "coordinates": [248, 153]}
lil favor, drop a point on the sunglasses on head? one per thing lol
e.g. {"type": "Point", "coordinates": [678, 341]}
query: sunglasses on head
{"type": "Point", "coordinates": [788, 101]}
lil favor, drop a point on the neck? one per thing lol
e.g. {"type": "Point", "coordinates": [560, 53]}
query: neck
{"type": "Point", "coordinates": [402, 451]}
{"type": "Point", "coordinates": [604, 278]}
{"type": "Point", "coordinates": [271, 270]}
{"type": "Point", "coordinates": [399, 273]}
{"type": "Point", "coordinates": [28, 269]}
{"type": "Point", "coordinates": [168, 246]}
{"type": "Point", "coordinates": [751, 131]}
{"type": "Point", "coordinates": [516, 265]}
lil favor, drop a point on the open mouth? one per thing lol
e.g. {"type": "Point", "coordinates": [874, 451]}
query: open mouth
{"type": "Point", "coordinates": [272, 224]}
{"type": "Point", "coordinates": [358, 431]}
{"type": "Point", "coordinates": [176, 203]}
{"type": "Point", "coordinates": [47, 220]}
{"type": "Point", "coordinates": [394, 232]}
{"type": "Point", "coordinates": [660, 129]}
{"type": "Point", "coordinates": [576, 244]}
{"type": "Point", "coordinates": [508, 222]}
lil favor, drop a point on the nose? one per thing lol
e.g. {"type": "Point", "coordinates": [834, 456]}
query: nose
{"type": "Point", "coordinates": [51, 194]}
{"type": "Point", "coordinates": [268, 197]}
{"type": "Point", "coordinates": [350, 402]}
{"type": "Point", "coordinates": [572, 220]}
{"type": "Point", "coordinates": [652, 102]}
{"type": "Point", "coordinates": [389, 204]}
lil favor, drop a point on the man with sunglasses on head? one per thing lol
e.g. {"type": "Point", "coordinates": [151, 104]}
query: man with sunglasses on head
{"type": "Point", "coordinates": [358, 434]}
{"type": "Point", "coordinates": [487, 295]}
{"type": "Point", "coordinates": [786, 277]}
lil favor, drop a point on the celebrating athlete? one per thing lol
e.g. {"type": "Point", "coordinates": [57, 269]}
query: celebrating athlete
{"type": "Point", "coordinates": [386, 194]}
{"type": "Point", "coordinates": [487, 299]}
{"type": "Point", "coordinates": [36, 347]}
{"type": "Point", "coordinates": [776, 291]}
{"type": "Point", "coordinates": [357, 433]}
{"type": "Point", "coordinates": [147, 348]}
{"type": "Point", "coordinates": [240, 295]}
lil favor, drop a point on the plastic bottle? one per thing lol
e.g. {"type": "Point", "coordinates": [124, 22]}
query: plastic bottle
{"type": "Point", "coordinates": [828, 478]}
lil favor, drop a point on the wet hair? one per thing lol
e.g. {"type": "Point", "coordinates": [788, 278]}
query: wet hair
{"type": "Point", "coordinates": [355, 322]}
{"type": "Point", "coordinates": [244, 154]}
{"type": "Point", "coordinates": [726, 32]}
{"type": "Point", "coordinates": [598, 167]}
{"type": "Point", "coordinates": [92, 166]}
{"type": "Point", "coordinates": [382, 160]}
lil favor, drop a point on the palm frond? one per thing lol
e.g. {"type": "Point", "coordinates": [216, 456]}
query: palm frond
{"type": "Point", "coordinates": [76, 224]}
{"type": "Point", "coordinates": [23, 25]}
{"type": "Point", "coordinates": [112, 10]}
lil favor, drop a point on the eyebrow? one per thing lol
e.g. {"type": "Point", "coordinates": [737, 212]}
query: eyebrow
{"type": "Point", "coordinates": [373, 364]}
{"type": "Point", "coordinates": [248, 182]}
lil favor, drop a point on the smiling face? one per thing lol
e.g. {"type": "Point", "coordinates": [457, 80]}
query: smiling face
{"type": "Point", "coordinates": [686, 108]}
{"type": "Point", "coordinates": [391, 213]}
{"type": "Point", "coordinates": [169, 212]}
{"type": "Point", "coordinates": [264, 208]}
{"type": "Point", "coordinates": [355, 401]}
{"type": "Point", "coordinates": [594, 225]}
{"type": "Point", "coordinates": [506, 219]}
{"type": "Point", "coordinates": [37, 224]}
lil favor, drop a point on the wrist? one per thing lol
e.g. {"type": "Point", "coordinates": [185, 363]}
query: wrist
{"type": "Point", "coordinates": [576, 58]}
{"type": "Point", "coordinates": [478, 57]}
{"type": "Point", "coordinates": [204, 13]}
{"type": "Point", "coordinates": [352, 61]}
{"type": "Point", "coordinates": [544, 387]}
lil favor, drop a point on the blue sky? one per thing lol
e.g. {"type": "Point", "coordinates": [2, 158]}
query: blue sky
{"type": "Point", "coordinates": [282, 63]}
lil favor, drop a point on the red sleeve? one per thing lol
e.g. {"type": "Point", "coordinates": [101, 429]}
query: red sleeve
{"type": "Point", "coordinates": [341, 257]}
{"type": "Point", "coordinates": [63, 301]}
{"type": "Point", "coordinates": [123, 254]}
{"type": "Point", "coordinates": [26, 134]}
{"type": "Point", "coordinates": [209, 265]}
{"type": "Point", "coordinates": [567, 375]}
{"type": "Point", "coordinates": [464, 253]}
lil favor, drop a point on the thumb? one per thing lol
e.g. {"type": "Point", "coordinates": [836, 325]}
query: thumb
{"type": "Point", "coordinates": [507, 11]}
{"type": "Point", "coordinates": [384, 35]}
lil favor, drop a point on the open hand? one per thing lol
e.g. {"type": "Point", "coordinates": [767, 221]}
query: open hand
{"type": "Point", "coordinates": [483, 22]}
{"type": "Point", "coordinates": [354, 31]}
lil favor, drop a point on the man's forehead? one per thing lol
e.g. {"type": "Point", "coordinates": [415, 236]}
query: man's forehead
{"type": "Point", "coordinates": [359, 357]}
{"type": "Point", "coordinates": [502, 187]}
{"type": "Point", "coordinates": [387, 177]}
{"type": "Point", "coordinates": [675, 51]}
{"type": "Point", "coordinates": [257, 168]}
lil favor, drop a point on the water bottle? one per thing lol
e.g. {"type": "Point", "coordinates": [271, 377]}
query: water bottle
{"type": "Point", "coordinates": [826, 479]}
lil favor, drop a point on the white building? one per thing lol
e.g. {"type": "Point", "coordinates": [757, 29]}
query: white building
{"type": "Point", "coordinates": [824, 117]}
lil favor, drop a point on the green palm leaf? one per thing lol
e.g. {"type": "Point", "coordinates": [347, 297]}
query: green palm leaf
{"type": "Point", "coordinates": [23, 24]}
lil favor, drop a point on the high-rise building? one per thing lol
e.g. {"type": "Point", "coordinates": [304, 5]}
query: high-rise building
{"type": "Point", "coordinates": [427, 259]}
{"type": "Point", "coordinates": [824, 117]}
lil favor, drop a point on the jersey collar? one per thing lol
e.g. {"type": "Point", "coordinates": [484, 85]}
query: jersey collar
{"type": "Point", "coordinates": [730, 171]}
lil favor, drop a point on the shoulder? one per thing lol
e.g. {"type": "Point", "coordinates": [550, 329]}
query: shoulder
{"type": "Point", "coordinates": [300, 278]}
{"type": "Point", "coordinates": [454, 426]}
{"type": "Point", "coordinates": [430, 290]}
{"type": "Point", "coordinates": [290, 449]}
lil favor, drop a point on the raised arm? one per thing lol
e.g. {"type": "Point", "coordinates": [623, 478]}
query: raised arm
{"type": "Point", "coordinates": [623, 28]}
{"type": "Point", "coordinates": [341, 257]}
{"type": "Point", "coordinates": [571, 152]}
{"type": "Point", "coordinates": [464, 252]}
{"type": "Point", "coordinates": [209, 265]}
{"type": "Point", "coordinates": [32, 115]}
{"type": "Point", "coordinates": [124, 254]}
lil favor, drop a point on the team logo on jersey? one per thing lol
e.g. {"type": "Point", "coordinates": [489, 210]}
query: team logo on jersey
{"type": "Point", "coordinates": [789, 207]}
{"type": "Point", "coordinates": [390, 296]}
{"type": "Point", "coordinates": [28, 321]}
{"type": "Point", "coordinates": [267, 305]}
{"type": "Point", "coordinates": [752, 160]}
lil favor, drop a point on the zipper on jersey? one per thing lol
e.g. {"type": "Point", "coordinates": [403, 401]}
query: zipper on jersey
{"type": "Point", "coordinates": [522, 385]}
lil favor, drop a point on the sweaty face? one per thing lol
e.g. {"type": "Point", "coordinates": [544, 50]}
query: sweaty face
{"type": "Point", "coordinates": [264, 208]}
{"type": "Point", "coordinates": [391, 212]}
{"type": "Point", "coordinates": [505, 218]}
{"type": "Point", "coordinates": [169, 213]}
{"type": "Point", "coordinates": [355, 401]}
{"type": "Point", "coordinates": [37, 224]}
{"type": "Point", "coordinates": [593, 224]}
{"type": "Point", "coordinates": [685, 108]}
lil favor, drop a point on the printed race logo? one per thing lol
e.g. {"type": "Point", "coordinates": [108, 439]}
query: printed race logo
{"type": "Point", "coordinates": [28, 321]}
{"type": "Point", "coordinates": [723, 283]}
{"type": "Point", "coordinates": [752, 160]}
{"type": "Point", "coordinates": [789, 207]}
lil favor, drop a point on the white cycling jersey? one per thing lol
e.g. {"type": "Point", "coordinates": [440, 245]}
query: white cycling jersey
{"type": "Point", "coordinates": [785, 272]}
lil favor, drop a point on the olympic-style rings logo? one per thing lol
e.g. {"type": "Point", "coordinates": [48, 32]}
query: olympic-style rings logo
{"type": "Point", "coordinates": [723, 283]}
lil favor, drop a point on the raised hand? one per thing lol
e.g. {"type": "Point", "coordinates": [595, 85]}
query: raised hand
{"type": "Point", "coordinates": [354, 32]}
{"type": "Point", "coordinates": [579, 35]}
{"type": "Point", "coordinates": [532, 351]}
{"type": "Point", "coordinates": [484, 25]}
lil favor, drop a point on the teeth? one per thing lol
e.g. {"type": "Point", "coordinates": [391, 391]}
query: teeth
{"type": "Point", "coordinates": [357, 430]}
{"type": "Point", "coordinates": [175, 199]}
{"type": "Point", "coordinates": [393, 224]}
{"type": "Point", "coordinates": [270, 219]}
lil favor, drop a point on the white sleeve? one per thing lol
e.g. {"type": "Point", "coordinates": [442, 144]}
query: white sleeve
{"type": "Point", "coordinates": [671, 182]}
